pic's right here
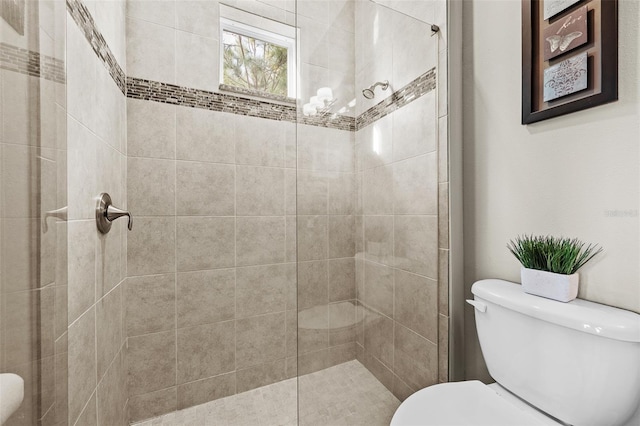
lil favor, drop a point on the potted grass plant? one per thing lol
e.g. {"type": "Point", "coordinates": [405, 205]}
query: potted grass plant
{"type": "Point", "coordinates": [550, 264]}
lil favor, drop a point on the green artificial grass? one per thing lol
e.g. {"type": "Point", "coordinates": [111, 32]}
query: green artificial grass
{"type": "Point", "coordinates": [552, 254]}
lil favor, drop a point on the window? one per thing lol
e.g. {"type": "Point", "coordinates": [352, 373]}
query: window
{"type": "Point", "coordinates": [256, 59]}
{"type": "Point", "coordinates": [251, 63]}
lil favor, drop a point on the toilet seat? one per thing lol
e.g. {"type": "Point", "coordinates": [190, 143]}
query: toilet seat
{"type": "Point", "coordinates": [461, 403]}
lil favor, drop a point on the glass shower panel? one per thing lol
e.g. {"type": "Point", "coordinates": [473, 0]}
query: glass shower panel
{"type": "Point", "coordinates": [229, 268]}
{"type": "Point", "coordinates": [367, 211]}
{"type": "Point", "coordinates": [33, 254]}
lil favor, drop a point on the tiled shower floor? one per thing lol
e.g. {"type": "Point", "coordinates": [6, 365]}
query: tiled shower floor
{"type": "Point", "coordinates": [347, 394]}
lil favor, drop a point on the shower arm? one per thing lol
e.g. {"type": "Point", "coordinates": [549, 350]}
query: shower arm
{"type": "Point", "coordinates": [383, 84]}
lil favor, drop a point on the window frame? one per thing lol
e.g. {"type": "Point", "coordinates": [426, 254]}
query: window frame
{"type": "Point", "coordinates": [271, 37]}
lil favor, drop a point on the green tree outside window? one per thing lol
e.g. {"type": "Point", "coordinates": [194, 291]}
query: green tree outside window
{"type": "Point", "coordinates": [254, 64]}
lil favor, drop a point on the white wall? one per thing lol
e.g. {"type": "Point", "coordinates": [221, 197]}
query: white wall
{"type": "Point", "coordinates": [561, 176]}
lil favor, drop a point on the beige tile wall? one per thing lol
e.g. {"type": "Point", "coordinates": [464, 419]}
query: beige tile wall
{"type": "Point", "coordinates": [397, 258]}
{"type": "Point", "coordinates": [326, 247]}
{"type": "Point", "coordinates": [327, 49]}
{"type": "Point", "coordinates": [211, 294]}
{"type": "Point", "coordinates": [209, 281]}
{"type": "Point", "coordinates": [401, 215]}
{"type": "Point", "coordinates": [96, 125]}
{"type": "Point", "coordinates": [326, 191]}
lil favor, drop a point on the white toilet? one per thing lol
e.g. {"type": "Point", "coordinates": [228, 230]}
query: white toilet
{"type": "Point", "coordinates": [575, 363]}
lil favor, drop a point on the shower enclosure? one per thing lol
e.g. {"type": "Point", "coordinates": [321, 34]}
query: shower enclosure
{"type": "Point", "coordinates": [285, 163]}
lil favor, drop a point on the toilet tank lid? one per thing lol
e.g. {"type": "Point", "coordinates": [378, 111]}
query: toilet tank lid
{"type": "Point", "coordinates": [582, 315]}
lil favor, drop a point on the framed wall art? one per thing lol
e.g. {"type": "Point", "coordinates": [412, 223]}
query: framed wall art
{"type": "Point", "coordinates": [569, 56]}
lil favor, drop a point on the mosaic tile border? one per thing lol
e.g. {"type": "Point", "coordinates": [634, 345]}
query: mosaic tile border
{"type": "Point", "coordinates": [409, 93]}
{"type": "Point", "coordinates": [332, 121]}
{"type": "Point", "coordinates": [156, 91]}
{"type": "Point", "coordinates": [138, 88]}
{"type": "Point", "coordinates": [31, 63]}
{"type": "Point", "coordinates": [149, 90]}
{"type": "Point", "coordinates": [87, 25]}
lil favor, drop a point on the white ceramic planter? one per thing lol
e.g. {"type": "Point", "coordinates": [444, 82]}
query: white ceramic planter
{"type": "Point", "coordinates": [563, 288]}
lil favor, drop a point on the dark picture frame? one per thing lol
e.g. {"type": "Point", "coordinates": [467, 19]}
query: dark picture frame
{"type": "Point", "coordinates": [602, 59]}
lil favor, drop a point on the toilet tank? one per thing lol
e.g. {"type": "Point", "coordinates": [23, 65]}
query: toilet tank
{"type": "Point", "coordinates": [578, 362]}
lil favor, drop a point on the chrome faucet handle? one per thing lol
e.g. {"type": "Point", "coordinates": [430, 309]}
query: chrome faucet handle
{"type": "Point", "coordinates": [112, 213]}
{"type": "Point", "coordinates": [60, 213]}
{"type": "Point", "coordinates": [107, 213]}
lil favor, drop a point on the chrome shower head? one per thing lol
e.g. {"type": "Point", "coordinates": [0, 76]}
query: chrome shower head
{"type": "Point", "coordinates": [369, 92]}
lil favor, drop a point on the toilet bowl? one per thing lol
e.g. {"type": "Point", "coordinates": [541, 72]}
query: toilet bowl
{"type": "Point", "coordinates": [467, 403]}
{"type": "Point", "coordinates": [554, 363]}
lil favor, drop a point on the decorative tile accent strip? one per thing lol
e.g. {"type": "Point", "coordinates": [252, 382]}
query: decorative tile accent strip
{"type": "Point", "coordinates": [24, 61]}
{"type": "Point", "coordinates": [332, 121]}
{"type": "Point", "coordinates": [87, 25]}
{"type": "Point", "coordinates": [138, 88]}
{"type": "Point", "coordinates": [156, 91]}
{"type": "Point", "coordinates": [409, 93]}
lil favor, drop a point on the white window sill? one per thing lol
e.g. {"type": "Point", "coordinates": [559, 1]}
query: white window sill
{"type": "Point", "coordinates": [257, 94]}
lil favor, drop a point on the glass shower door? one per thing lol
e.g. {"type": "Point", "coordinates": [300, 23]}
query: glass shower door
{"type": "Point", "coordinates": [33, 262]}
{"type": "Point", "coordinates": [367, 211]}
